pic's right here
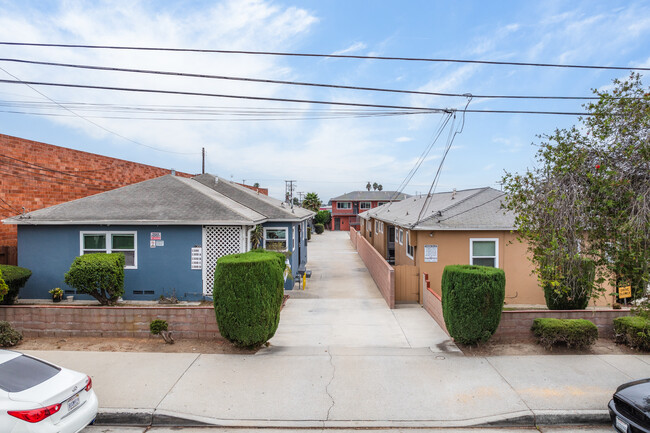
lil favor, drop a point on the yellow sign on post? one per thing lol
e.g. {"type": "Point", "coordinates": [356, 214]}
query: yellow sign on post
{"type": "Point", "coordinates": [625, 292]}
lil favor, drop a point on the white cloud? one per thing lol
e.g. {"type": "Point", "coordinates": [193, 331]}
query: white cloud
{"type": "Point", "coordinates": [357, 46]}
{"type": "Point", "coordinates": [403, 139]}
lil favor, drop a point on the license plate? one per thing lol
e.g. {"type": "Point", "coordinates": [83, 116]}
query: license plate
{"type": "Point", "coordinates": [621, 425]}
{"type": "Point", "coordinates": [73, 402]}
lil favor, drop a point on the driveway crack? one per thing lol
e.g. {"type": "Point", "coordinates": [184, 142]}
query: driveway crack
{"type": "Point", "coordinates": [327, 390]}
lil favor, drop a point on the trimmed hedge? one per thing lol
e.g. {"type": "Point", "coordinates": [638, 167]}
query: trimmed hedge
{"type": "Point", "coordinates": [566, 298]}
{"type": "Point", "coordinates": [472, 300]}
{"type": "Point", "coordinates": [319, 228]}
{"type": "Point", "coordinates": [633, 331]}
{"type": "Point", "coordinates": [98, 275]}
{"type": "Point", "coordinates": [248, 292]}
{"type": "Point", "coordinates": [16, 278]}
{"type": "Point", "coordinates": [4, 289]}
{"type": "Point", "coordinates": [579, 333]}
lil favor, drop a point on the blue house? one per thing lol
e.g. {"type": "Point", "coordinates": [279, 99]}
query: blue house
{"type": "Point", "coordinates": [171, 231]}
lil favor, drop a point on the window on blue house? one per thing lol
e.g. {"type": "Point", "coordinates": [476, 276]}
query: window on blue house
{"type": "Point", "coordinates": [112, 242]}
{"type": "Point", "coordinates": [275, 239]}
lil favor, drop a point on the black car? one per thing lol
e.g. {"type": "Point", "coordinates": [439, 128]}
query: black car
{"type": "Point", "coordinates": [629, 409]}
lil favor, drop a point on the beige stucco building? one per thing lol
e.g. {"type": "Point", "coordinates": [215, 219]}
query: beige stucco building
{"type": "Point", "coordinates": [422, 235]}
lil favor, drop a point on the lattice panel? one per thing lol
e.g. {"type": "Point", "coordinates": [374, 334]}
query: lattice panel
{"type": "Point", "coordinates": [219, 241]}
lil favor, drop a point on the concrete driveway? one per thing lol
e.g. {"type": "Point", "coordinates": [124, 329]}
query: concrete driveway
{"type": "Point", "coordinates": [342, 306]}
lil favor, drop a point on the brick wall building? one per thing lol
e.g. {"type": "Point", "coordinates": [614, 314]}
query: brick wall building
{"type": "Point", "coordinates": [35, 175]}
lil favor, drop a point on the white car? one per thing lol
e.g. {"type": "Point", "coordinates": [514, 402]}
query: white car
{"type": "Point", "coordinates": [36, 396]}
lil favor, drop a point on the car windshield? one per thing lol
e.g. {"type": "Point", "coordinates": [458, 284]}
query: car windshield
{"type": "Point", "coordinates": [24, 372]}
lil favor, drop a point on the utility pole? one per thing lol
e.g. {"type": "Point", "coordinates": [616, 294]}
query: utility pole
{"type": "Point", "coordinates": [301, 196]}
{"type": "Point", "coordinates": [203, 160]}
{"type": "Point", "coordinates": [289, 187]}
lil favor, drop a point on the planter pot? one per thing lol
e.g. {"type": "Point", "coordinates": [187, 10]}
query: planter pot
{"type": "Point", "coordinates": [57, 299]}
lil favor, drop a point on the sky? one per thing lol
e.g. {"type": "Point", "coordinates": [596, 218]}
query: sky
{"type": "Point", "coordinates": [326, 149]}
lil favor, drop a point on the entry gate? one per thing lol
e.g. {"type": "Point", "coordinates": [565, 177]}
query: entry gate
{"type": "Point", "coordinates": [407, 284]}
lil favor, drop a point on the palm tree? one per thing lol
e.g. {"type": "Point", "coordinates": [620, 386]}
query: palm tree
{"type": "Point", "coordinates": [368, 186]}
{"type": "Point", "coordinates": [312, 202]}
{"type": "Point", "coordinates": [374, 186]}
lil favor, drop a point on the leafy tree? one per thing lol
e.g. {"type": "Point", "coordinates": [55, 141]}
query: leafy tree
{"type": "Point", "coordinates": [256, 185]}
{"type": "Point", "coordinates": [368, 186]}
{"type": "Point", "coordinates": [323, 217]}
{"type": "Point", "coordinates": [296, 201]}
{"type": "Point", "coordinates": [312, 202]}
{"type": "Point", "coordinates": [589, 198]}
{"type": "Point", "coordinates": [380, 187]}
{"type": "Point", "coordinates": [374, 186]}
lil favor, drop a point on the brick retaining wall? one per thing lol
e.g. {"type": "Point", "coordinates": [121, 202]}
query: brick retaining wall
{"type": "Point", "coordinates": [380, 270]}
{"type": "Point", "coordinates": [90, 321]}
{"type": "Point", "coordinates": [354, 236]}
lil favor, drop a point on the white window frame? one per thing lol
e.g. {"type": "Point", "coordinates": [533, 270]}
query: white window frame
{"type": "Point", "coordinates": [109, 243]}
{"type": "Point", "coordinates": [496, 250]}
{"type": "Point", "coordinates": [348, 203]}
{"type": "Point", "coordinates": [379, 203]}
{"type": "Point", "coordinates": [286, 240]}
{"type": "Point", "coordinates": [362, 207]}
{"type": "Point", "coordinates": [408, 245]}
{"type": "Point", "coordinates": [293, 237]}
{"type": "Point", "coordinates": [401, 237]}
{"type": "Point", "coordinates": [376, 227]}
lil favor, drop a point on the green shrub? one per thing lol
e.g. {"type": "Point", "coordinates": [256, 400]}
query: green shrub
{"type": "Point", "coordinates": [16, 278]}
{"type": "Point", "coordinates": [319, 228]}
{"type": "Point", "coordinates": [633, 331]}
{"type": "Point", "coordinates": [98, 275]}
{"type": "Point", "coordinates": [579, 333]}
{"type": "Point", "coordinates": [158, 325]}
{"type": "Point", "coordinates": [8, 335]}
{"type": "Point", "coordinates": [248, 292]}
{"type": "Point", "coordinates": [322, 217]}
{"type": "Point", "coordinates": [572, 292]}
{"type": "Point", "coordinates": [308, 233]}
{"type": "Point", "coordinates": [4, 289]}
{"type": "Point", "coordinates": [472, 300]}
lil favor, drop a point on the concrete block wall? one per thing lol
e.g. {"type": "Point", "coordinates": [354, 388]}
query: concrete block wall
{"type": "Point", "coordinates": [380, 270]}
{"type": "Point", "coordinates": [88, 321]}
{"type": "Point", "coordinates": [37, 175]}
{"type": "Point", "coordinates": [515, 325]}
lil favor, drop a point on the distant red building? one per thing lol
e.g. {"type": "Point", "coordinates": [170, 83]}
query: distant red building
{"type": "Point", "coordinates": [347, 207]}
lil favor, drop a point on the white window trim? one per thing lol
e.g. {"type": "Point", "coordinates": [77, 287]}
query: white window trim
{"type": "Point", "coordinates": [286, 231]}
{"type": "Point", "coordinates": [339, 203]}
{"type": "Point", "coordinates": [376, 227]}
{"type": "Point", "coordinates": [109, 244]}
{"type": "Point", "coordinates": [401, 237]}
{"type": "Point", "coordinates": [369, 203]}
{"type": "Point", "coordinates": [496, 249]}
{"type": "Point", "coordinates": [293, 238]}
{"type": "Point", "coordinates": [408, 244]}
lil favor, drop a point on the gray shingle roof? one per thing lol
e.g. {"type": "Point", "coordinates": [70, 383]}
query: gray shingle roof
{"type": "Point", "coordinates": [273, 209]}
{"type": "Point", "coordinates": [371, 196]}
{"type": "Point", "coordinates": [165, 200]}
{"type": "Point", "coordinates": [471, 209]}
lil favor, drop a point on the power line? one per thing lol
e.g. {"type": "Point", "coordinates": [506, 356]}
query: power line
{"type": "Point", "coordinates": [333, 56]}
{"type": "Point", "coordinates": [88, 120]}
{"type": "Point", "coordinates": [292, 83]}
{"type": "Point", "coordinates": [302, 101]}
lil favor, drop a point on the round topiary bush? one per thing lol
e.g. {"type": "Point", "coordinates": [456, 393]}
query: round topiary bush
{"type": "Point", "coordinates": [572, 291]}
{"type": "Point", "coordinates": [472, 300]}
{"type": "Point", "coordinates": [15, 277]}
{"type": "Point", "coordinates": [248, 292]}
{"type": "Point", "coordinates": [157, 326]}
{"type": "Point", "coordinates": [319, 228]}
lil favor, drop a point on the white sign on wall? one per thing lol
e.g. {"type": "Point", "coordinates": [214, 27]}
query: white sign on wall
{"type": "Point", "coordinates": [431, 253]}
{"type": "Point", "coordinates": [197, 258]}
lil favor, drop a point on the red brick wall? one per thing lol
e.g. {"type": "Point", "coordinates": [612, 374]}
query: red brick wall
{"type": "Point", "coordinates": [380, 270]}
{"type": "Point", "coordinates": [35, 175]}
{"type": "Point", "coordinates": [433, 303]}
{"type": "Point", "coordinates": [90, 321]}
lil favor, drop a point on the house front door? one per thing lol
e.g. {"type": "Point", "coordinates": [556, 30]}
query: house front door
{"type": "Point", "coordinates": [337, 223]}
{"type": "Point", "coordinates": [219, 241]}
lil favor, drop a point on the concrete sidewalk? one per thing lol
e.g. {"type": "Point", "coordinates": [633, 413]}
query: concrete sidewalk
{"type": "Point", "coordinates": [352, 387]}
{"type": "Point", "coordinates": [341, 358]}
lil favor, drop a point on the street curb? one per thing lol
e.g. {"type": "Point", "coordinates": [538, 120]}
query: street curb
{"type": "Point", "coordinates": [140, 417]}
